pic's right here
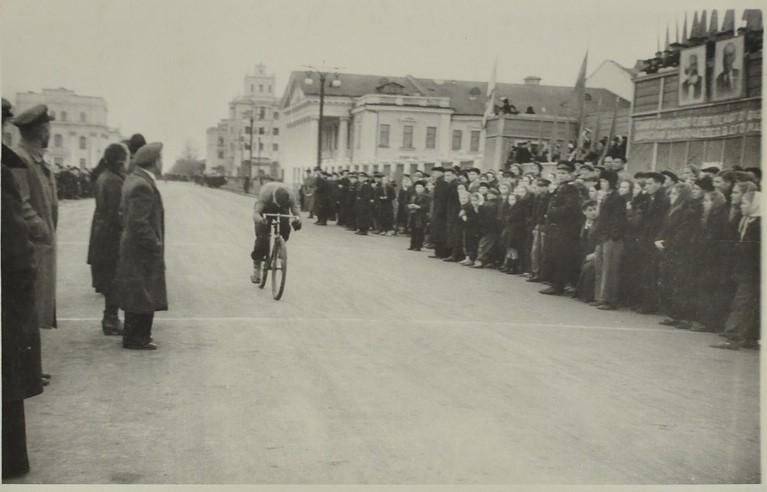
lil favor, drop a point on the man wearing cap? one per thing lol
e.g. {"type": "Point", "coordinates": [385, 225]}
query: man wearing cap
{"type": "Point", "coordinates": [364, 204]}
{"type": "Point", "coordinates": [140, 274]}
{"type": "Point", "coordinates": [651, 222]}
{"type": "Point", "coordinates": [21, 361]}
{"type": "Point", "coordinates": [563, 222]}
{"type": "Point", "coordinates": [453, 231]}
{"type": "Point", "coordinates": [439, 214]}
{"type": "Point", "coordinates": [37, 184]}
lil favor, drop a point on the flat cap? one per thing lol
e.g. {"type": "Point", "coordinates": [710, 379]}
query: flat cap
{"type": "Point", "coordinates": [7, 111]}
{"type": "Point", "coordinates": [438, 168]}
{"type": "Point", "coordinates": [147, 154]}
{"type": "Point", "coordinates": [35, 115]}
{"type": "Point", "coordinates": [671, 175]}
{"type": "Point", "coordinates": [567, 166]}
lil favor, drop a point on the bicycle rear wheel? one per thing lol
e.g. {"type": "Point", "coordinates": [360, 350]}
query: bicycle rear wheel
{"type": "Point", "coordinates": [279, 267]}
{"type": "Point", "coordinates": [264, 273]}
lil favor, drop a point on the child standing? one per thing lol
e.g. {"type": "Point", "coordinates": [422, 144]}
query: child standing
{"type": "Point", "coordinates": [418, 209]}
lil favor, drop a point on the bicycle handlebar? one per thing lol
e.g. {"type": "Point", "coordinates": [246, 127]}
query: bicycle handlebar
{"type": "Point", "coordinates": [286, 216]}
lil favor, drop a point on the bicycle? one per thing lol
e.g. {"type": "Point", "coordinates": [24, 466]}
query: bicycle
{"type": "Point", "coordinates": [277, 262]}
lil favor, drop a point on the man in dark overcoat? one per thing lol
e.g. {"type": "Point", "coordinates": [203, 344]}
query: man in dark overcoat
{"type": "Point", "coordinates": [21, 362]}
{"type": "Point", "coordinates": [652, 221]}
{"type": "Point", "coordinates": [365, 202]}
{"type": "Point", "coordinates": [140, 277]}
{"type": "Point", "coordinates": [104, 244]}
{"type": "Point", "coordinates": [439, 214]}
{"type": "Point", "coordinates": [563, 223]}
{"type": "Point", "coordinates": [453, 231]}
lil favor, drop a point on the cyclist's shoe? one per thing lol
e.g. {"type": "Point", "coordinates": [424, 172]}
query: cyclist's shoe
{"type": "Point", "coordinates": [255, 277]}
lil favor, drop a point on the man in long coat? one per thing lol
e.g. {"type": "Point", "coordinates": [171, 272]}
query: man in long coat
{"type": "Point", "coordinates": [454, 244]}
{"type": "Point", "coordinates": [37, 184]}
{"type": "Point", "coordinates": [439, 214]}
{"type": "Point", "coordinates": [309, 186]}
{"type": "Point", "coordinates": [365, 202]}
{"type": "Point", "coordinates": [563, 224]}
{"type": "Point", "coordinates": [21, 365]}
{"type": "Point", "coordinates": [140, 276]}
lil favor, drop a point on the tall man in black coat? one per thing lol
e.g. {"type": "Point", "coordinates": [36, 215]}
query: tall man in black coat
{"type": "Point", "coordinates": [454, 239]}
{"type": "Point", "coordinates": [365, 203]}
{"type": "Point", "coordinates": [323, 197]}
{"type": "Point", "coordinates": [563, 223]}
{"type": "Point", "coordinates": [342, 205]}
{"type": "Point", "coordinates": [21, 365]}
{"type": "Point", "coordinates": [439, 214]}
{"type": "Point", "coordinates": [652, 222]}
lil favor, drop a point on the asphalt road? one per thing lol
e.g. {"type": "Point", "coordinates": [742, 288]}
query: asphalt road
{"type": "Point", "coordinates": [378, 366]}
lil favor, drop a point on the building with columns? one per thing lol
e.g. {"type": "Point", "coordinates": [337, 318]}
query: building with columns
{"type": "Point", "coordinates": [253, 119]}
{"type": "Point", "coordinates": [80, 132]}
{"type": "Point", "coordinates": [400, 124]}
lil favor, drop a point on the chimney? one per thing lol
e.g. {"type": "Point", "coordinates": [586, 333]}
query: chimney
{"type": "Point", "coordinates": [532, 80]}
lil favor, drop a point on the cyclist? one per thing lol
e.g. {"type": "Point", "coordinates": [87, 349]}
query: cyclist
{"type": "Point", "coordinates": [273, 198]}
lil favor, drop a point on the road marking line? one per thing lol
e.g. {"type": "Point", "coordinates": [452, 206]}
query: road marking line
{"type": "Point", "coordinates": [267, 319]}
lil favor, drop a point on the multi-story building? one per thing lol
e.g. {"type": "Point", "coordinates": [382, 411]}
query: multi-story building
{"type": "Point", "coordinates": [381, 123]}
{"type": "Point", "coordinates": [253, 119]}
{"type": "Point", "coordinates": [79, 133]}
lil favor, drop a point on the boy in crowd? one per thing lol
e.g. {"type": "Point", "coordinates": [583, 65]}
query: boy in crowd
{"type": "Point", "coordinates": [418, 209]}
{"type": "Point", "coordinates": [585, 288]}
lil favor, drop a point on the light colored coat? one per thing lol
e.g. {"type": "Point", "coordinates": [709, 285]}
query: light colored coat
{"type": "Point", "coordinates": [37, 184]}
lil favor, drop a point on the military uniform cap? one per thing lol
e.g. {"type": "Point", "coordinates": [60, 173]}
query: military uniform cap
{"type": "Point", "coordinates": [671, 175]}
{"type": "Point", "coordinates": [438, 168]}
{"type": "Point", "coordinates": [364, 174]}
{"type": "Point", "coordinates": [147, 154]}
{"type": "Point", "coordinates": [568, 166]}
{"type": "Point", "coordinates": [378, 175]}
{"type": "Point", "coordinates": [36, 115]}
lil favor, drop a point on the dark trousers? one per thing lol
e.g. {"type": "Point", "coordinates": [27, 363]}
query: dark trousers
{"type": "Point", "coordinates": [471, 244]}
{"type": "Point", "coordinates": [416, 238]}
{"type": "Point", "coordinates": [15, 460]}
{"type": "Point", "coordinates": [263, 234]}
{"type": "Point", "coordinates": [138, 328]}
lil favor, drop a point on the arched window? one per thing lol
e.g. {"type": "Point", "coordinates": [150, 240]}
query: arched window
{"type": "Point", "coordinates": [57, 140]}
{"type": "Point", "coordinates": [83, 143]}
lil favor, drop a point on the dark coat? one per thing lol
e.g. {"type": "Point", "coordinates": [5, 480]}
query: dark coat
{"type": "Point", "coordinates": [21, 359]}
{"type": "Point", "coordinates": [654, 217]}
{"type": "Point", "coordinates": [748, 254]}
{"type": "Point", "coordinates": [611, 222]}
{"type": "Point", "coordinates": [563, 225]}
{"type": "Point", "coordinates": [403, 199]}
{"type": "Point", "coordinates": [471, 224]}
{"type": "Point", "coordinates": [419, 217]}
{"type": "Point", "coordinates": [540, 206]}
{"type": "Point", "coordinates": [488, 218]}
{"type": "Point", "coordinates": [140, 277]}
{"type": "Point", "coordinates": [439, 212]}
{"type": "Point", "coordinates": [452, 221]}
{"type": "Point", "coordinates": [515, 220]}
{"type": "Point", "coordinates": [104, 244]}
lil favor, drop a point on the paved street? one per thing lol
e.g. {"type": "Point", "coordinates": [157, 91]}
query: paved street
{"type": "Point", "coordinates": [378, 366]}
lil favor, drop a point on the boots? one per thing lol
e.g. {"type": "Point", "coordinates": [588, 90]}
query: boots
{"type": "Point", "coordinates": [506, 266]}
{"type": "Point", "coordinates": [111, 324]}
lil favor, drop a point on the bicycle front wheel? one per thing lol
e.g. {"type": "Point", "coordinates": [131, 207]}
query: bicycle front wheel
{"type": "Point", "coordinates": [279, 268]}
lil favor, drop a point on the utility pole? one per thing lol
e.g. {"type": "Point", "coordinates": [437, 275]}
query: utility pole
{"type": "Point", "coordinates": [250, 161]}
{"type": "Point", "coordinates": [319, 122]}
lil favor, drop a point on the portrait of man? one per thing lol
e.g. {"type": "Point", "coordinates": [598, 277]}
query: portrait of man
{"type": "Point", "coordinates": [728, 69]}
{"type": "Point", "coordinates": [692, 76]}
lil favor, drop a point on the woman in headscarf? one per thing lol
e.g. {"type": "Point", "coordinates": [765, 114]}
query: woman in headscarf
{"type": "Point", "coordinates": [675, 241]}
{"type": "Point", "coordinates": [712, 283]}
{"type": "Point", "coordinates": [742, 325]}
{"type": "Point", "coordinates": [104, 244]}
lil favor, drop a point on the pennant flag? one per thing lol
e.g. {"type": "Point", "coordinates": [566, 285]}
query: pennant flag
{"type": "Point", "coordinates": [612, 130]}
{"type": "Point", "coordinates": [666, 47]}
{"type": "Point", "coordinates": [684, 31]}
{"type": "Point", "coordinates": [703, 27]}
{"type": "Point", "coordinates": [490, 103]}
{"type": "Point", "coordinates": [753, 18]}
{"type": "Point", "coordinates": [694, 27]}
{"type": "Point", "coordinates": [728, 24]}
{"type": "Point", "coordinates": [714, 27]}
{"type": "Point", "coordinates": [676, 37]}
{"type": "Point", "coordinates": [580, 93]}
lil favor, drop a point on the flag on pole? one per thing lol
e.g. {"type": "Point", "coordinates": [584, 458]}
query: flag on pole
{"type": "Point", "coordinates": [580, 93]}
{"type": "Point", "coordinates": [714, 27]}
{"type": "Point", "coordinates": [490, 103]}
{"type": "Point", "coordinates": [684, 30]}
{"type": "Point", "coordinates": [728, 25]}
{"type": "Point", "coordinates": [612, 130]}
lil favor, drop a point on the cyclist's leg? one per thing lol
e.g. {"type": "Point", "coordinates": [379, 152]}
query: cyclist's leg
{"type": "Point", "coordinates": [285, 229]}
{"type": "Point", "coordinates": [260, 248]}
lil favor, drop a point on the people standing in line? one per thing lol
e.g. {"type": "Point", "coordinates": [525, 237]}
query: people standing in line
{"type": "Point", "coordinates": [609, 230]}
{"type": "Point", "coordinates": [453, 240]}
{"type": "Point", "coordinates": [650, 257]}
{"type": "Point", "coordinates": [21, 357]}
{"type": "Point", "coordinates": [537, 247]}
{"type": "Point", "coordinates": [322, 197]}
{"type": "Point", "coordinates": [404, 195]}
{"type": "Point", "coordinates": [140, 275]}
{"type": "Point", "coordinates": [104, 243]}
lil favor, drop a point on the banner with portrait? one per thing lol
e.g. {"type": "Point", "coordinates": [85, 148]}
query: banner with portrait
{"type": "Point", "coordinates": [729, 76]}
{"type": "Point", "coordinates": [692, 75]}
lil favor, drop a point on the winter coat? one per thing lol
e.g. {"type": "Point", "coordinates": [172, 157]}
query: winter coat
{"type": "Point", "coordinates": [104, 244]}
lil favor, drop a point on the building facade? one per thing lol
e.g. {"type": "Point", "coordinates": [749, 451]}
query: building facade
{"type": "Point", "coordinates": [79, 133]}
{"type": "Point", "coordinates": [247, 142]}
{"type": "Point", "coordinates": [682, 113]}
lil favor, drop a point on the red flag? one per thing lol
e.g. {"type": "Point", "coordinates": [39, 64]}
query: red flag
{"type": "Point", "coordinates": [580, 93]}
{"type": "Point", "coordinates": [612, 129]}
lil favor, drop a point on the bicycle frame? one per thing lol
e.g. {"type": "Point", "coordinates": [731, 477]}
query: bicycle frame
{"type": "Point", "coordinates": [278, 257]}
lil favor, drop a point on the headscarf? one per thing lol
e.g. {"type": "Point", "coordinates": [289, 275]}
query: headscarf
{"type": "Point", "coordinates": [752, 213]}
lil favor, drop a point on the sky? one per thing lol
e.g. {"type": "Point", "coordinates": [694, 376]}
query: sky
{"type": "Point", "coordinates": [168, 68]}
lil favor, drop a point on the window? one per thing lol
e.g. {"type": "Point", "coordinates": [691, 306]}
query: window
{"type": "Point", "coordinates": [260, 146]}
{"type": "Point", "coordinates": [275, 147]}
{"type": "Point", "coordinates": [275, 132]}
{"type": "Point", "coordinates": [474, 141]}
{"type": "Point", "coordinates": [260, 87]}
{"type": "Point", "coordinates": [261, 113]}
{"type": "Point", "coordinates": [82, 163]}
{"type": "Point", "coordinates": [83, 143]}
{"type": "Point", "coordinates": [220, 154]}
{"type": "Point", "coordinates": [413, 168]}
{"type": "Point", "coordinates": [431, 137]}
{"type": "Point", "coordinates": [220, 141]}
{"type": "Point", "coordinates": [276, 116]}
{"type": "Point", "coordinates": [57, 140]}
{"type": "Point", "coordinates": [63, 116]}
{"type": "Point", "coordinates": [53, 114]}
{"type": "Point", "coordinates": [247, 129]}
{"type": "Point", "coordinates": [261, 130]}
{"type": "Point", "coordinates": [383, 136]}
{"type": "Point", "coordinates": [457, 137]}
{"type": "Point", "coordinates": [83, 117]}
{"type": "Point", "coordinates": [407, 136]}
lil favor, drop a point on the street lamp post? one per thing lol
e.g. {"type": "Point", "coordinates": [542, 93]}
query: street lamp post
{"type": "Point", "coordinates": [336, 82]}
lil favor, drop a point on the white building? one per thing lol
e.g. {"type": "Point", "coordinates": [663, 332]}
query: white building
{"type": "Point", "coordinates": [253, 117]}
{"type": "Point", "coordinates": [79, 133]}
{"type": "Point", "coordinates": [614, 77]}
{"type": "Point", "coordinates": [383, 123]}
